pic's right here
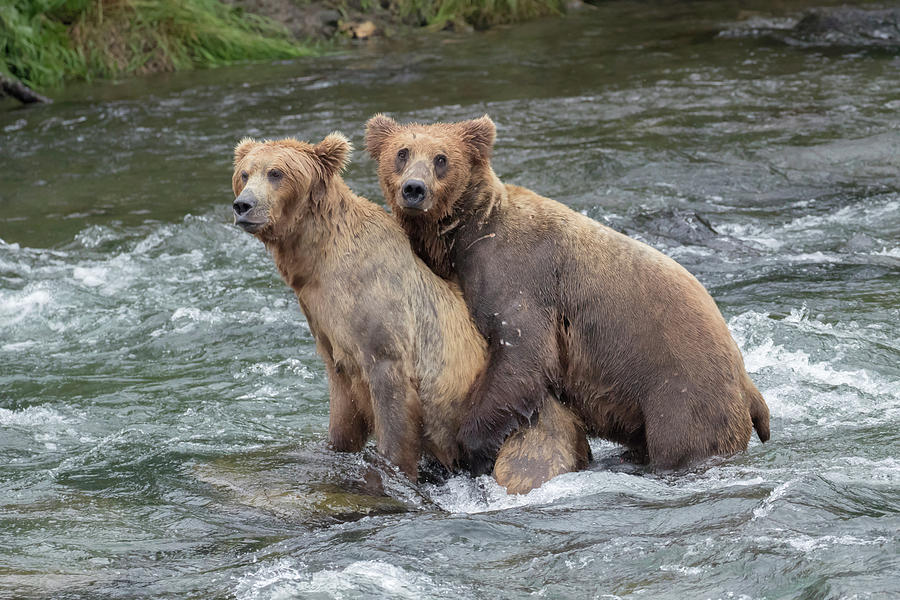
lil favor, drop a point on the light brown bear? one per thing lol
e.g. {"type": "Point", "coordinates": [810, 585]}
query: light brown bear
{"type": "Point", "coordinates": [399, 346]}
{"type": "Point", "coordinates": [616, 330]}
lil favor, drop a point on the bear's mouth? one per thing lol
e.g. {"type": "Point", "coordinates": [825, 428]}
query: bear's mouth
{"type": "Point", "coordinates": [248, 225]}
{"type": "Point", "coordinates": [414, 208]}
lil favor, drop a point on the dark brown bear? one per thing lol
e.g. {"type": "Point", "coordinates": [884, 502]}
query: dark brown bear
{"type": "Point", "coordinates": [618, 331]}
{"type": "Point", "coordinates": [399, 346]}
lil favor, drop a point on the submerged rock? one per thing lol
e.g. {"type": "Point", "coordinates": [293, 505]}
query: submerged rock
{"type": "Point", "coordinates": [848, 26]}
{"type": "Point", "coordinates": [841, 27]}
{"type": "Point", "coordinates": [309, 487]}
{"type": "Point", "coordinates": [684, 226]}
{"type": "Point", "coordinates": [673, 227]}
{"type": "Point", "coordinates": [860, 242]}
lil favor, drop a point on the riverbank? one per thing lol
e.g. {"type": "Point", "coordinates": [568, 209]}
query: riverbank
{"type": "Point", "coordinates": [45, 43]}
{"type": "Point", "coordinates": [48, 42]}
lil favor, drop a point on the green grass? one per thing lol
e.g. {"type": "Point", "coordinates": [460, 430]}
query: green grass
{"type": "Point", "coordinates": [33, 47]}
{"type": "Point", "coordinates": [43, 42]}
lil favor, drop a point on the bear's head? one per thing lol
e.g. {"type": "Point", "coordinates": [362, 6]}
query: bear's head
{"type": "Point", "coordinates": [424, 169]}
{"type": "Point", "coordinates": [277, 182]}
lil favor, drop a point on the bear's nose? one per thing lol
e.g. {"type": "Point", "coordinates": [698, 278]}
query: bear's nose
{"type": "Point", "coordinates": [413, 192]}
{"type": "Point", "coordinates": [244, 203]}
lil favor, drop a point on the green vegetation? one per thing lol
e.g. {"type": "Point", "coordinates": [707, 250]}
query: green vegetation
{"type": "Point", "coordinates": [481, 14]}
{"type": "Point", "coordinates": [43, 42]}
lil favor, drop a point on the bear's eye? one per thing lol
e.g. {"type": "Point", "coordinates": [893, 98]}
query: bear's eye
{"type": "Point", "coordinates": [275, 174]}
{"type": "Point", "coordinates": [440, 161]}
{"type": "Point", "coordinates": [403, 154]}
{"type": "Point", "coordinates": [245, 176]}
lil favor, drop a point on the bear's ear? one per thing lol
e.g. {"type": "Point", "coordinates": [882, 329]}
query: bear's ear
{"type": "Point", "coordinates": [378, 130]}
{"type": "Point", "coordinates": [479, 135]}
{"type": "Point", "coordinates": [333, 153]}
{"type": "Point", "coordinates": [243, 149]}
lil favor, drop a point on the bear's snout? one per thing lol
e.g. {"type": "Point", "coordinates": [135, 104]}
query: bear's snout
{"type": "Point", "coordinates": [414, 192]}
{"type": "Point", "coordinates": [244, 203]}
{"type": "Point", "coordinates": [243, 206]}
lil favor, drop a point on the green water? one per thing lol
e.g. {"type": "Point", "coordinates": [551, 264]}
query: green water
{"type": "Point", "coordinates": [163, 413]}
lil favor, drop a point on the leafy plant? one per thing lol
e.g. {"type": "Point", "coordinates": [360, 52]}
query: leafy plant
{"type": "Point", "coordinates": [44, 41]}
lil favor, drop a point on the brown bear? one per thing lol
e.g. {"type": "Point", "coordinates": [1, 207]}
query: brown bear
{"type": "Point", "coordinates": [616, 330]}
{"type": "Point", "coordinates": [399, 346]}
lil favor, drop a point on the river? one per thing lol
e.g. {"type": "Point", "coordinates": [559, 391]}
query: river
{"type": "Point", "coordinates": [163, 413]}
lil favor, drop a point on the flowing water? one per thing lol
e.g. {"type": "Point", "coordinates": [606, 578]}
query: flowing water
{"type": "Point", "coordinates": [163, 413]}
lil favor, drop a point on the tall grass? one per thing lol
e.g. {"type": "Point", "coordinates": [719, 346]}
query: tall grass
{"type": "Point", "coordinates": [43, 42]}
{"type": "Point", "coordinates": [34, 46]}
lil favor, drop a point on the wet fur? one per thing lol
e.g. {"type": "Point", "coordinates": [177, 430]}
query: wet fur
{"type": "Point", "coordinates": [621, 333]}
{"type": "Point", "coordinates": [399, 347]}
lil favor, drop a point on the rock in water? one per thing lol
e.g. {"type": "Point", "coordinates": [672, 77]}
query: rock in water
{"type": "Point", "coordinates": [847, 26]}
{"type": "Point", "coordinates": [293, 485]}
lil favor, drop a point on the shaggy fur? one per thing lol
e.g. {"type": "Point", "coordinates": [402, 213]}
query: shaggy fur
{"type": "Point", "coordinates": [618, 331]}
{"type": "Point", "coordinates": [399, 347]}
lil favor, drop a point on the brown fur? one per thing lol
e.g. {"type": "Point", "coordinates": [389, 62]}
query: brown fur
{"type": "Point", "coordinates": [555, 444]}
{"type": "Point", "coordinates": [623, 334]}
{"type": "Point", "coordinates": [399, 347]}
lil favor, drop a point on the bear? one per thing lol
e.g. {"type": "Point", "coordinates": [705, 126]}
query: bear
{"type": "Point", "coordinates": [399, 346]}
{"type": "Point", "coordinates": [617, 331]}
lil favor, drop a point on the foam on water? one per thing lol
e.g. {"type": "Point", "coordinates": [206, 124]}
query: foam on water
{"type": "Point", "coordinates": [775, 495]}
{"type": "Point", "coordinates": [46, 427]}
{"type": "Point", "coordinates": [96, 235]}
{"type": "Point", "coordinates": [846, 217]}
{"type": "Point", "coordinates": [187, 318]}
{"type": "Point", "coordinates": [886, 470]}
{"type": "Point", "coordinates": [754, 234]}
{"type": "Point", "coordinates": [892, 252]}
{"type": "Point", "coordinates": [754, 333]}
{"type": "Point", "coordinates": [769, 355]}
{"type": "Point", "coordinates": [17, 305]}
{"type": "Point", "coordinates": [876, 216]}
{"type": "Point", "coordinates": [813, 257]}
{"type": "Point", "coordinates": [361, 579]}
{"type": "Point", "coordinates": [810, 544]}
{"type": "Point", "coordinates": [91, 276]}
{"type": "Point", "coordinates": [683, 570]}
{"type": "Point", "coordinates": [462, 494]}
{"type": "Point", "coordinates": [139, 273]}
{"type": "Point", "coordinates": [33, 417]}
{"type": "Point", "coordinates": [822, 392]}
{"type": "Point", "coordinates": [290, 366]}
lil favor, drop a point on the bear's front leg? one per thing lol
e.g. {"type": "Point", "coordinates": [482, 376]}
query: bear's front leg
{"type": "Point", "coordinates": [507, 395]}
{"type": "Point", "coordinates": [397, 414]}
{"type": "Point", "coordinates": [349, 415]}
